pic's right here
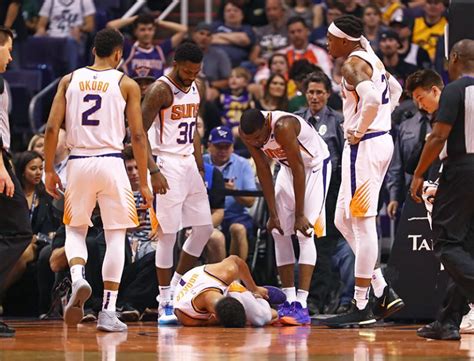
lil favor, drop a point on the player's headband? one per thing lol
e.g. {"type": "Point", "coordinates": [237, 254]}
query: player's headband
{"type": "Point", "coordinates": [334, 30]}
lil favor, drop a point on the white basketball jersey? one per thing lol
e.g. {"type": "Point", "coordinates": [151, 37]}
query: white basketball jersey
{"type": "Point", "coordinates": [352, 103]}
{"type": "Point", "coordinates": [95, 118]}
{"type": "Point", "coordinates": [313, 148]}
{"type": "Point", "coordinates": [176, 124]}
{"type": "Point", "coordinates": [193, 283]}
{"type": "Point", "coordinates": [4, 123]}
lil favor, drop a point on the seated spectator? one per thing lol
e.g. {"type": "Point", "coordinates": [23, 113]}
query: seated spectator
{"type": "Point", "coordinates": [303, 9]}
{"type": "Point", "coordinates": [394, 64]}
{"type": "Point", "coordinates": [300, 48]}
{"type": "Point", "coordinates": [272, 37]}
{"type": "Point", "coordinates": [238, 175]}
{"type": "Point", "coordinates": [29, 169]}
{"type": "Point", "coordinates": [216, 65]}
{"type": "Point", "coordinates": [232, 35]}
{"type": "Point", "coordinates": [36, 144]}
{"type": "Point", "coordinates": [277, 64]}
{"type": "Point", "coordinates": [373, 25]}
{"type": "Point", "coordinates": [144, 83]}
{"type": "Point", "coordinates": [143, 241]}
{"type": "Point", "coordinates": [391, 10]}
{"type": "Point", "coordinates": [236, 100]}
{"type": "Point", "coordinates": [352, 7]}
{"type": "Point", "coordinates": [274, 94]}
{"type": "Point", "coordinates": [334, 9]}
{"type": "Point", "coordinates": [429, 28]}
{"type": "Point", "coordinates": [144, 58]}
{"type": "Point", "coordinates": [299, 71]}
{"type": "Point", "coordinates": [410, 52]}
{"type": "Point", "coordinates": [68, 19]}
{"type": "Point", "coordinates": [254, 11]}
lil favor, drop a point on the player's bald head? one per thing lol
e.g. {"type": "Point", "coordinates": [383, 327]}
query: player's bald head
{"type": "Point", "coordinates": [465, 49]}
{"type": "Point", "coordinates": [461, 58]}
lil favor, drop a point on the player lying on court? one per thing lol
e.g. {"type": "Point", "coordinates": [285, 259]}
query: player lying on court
{"type": "Point", "coordinates": [296, 203]}
{"type": "Point", "coordinates": [211, 295]}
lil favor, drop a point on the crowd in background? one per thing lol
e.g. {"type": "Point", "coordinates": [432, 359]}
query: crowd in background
{"type": "Point", "coordinates": [270, 55]}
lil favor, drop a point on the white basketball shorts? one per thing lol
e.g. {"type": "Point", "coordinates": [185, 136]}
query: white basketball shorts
{"type": "Point", "coordinates": [364, 166]}
{"type": "Point", "coordinates": [186, 203]}
{"type": "Point", "coordinates": [101, 179]}
{"type": "Point", "coordinates": [317, 184]}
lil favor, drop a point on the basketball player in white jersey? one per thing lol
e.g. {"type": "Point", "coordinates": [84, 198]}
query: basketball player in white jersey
{"type": "Point", "coordinates": [171, 105]}
{"type": "Point", "coordinates": [213, 295]}
{"type": "Point", "coordinates": [369, 96]}
{"type": "Point", "coordinates": [94, 102]}
{"type": "Point", "coordinates": [297, 202]}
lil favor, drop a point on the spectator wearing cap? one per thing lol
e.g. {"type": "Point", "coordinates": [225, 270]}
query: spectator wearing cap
{"type": "Point", "coordinates": [409, 51]}
{"type": "Point", "coordinates": [144, 83]}
{"type": "Point", "coordinates": [301, 48]}
{"type": "Point", "coordinates": [216, 64]}
{"type": "Point", "coordinates": [429, 28]}
{"type": "Point", "coordinates": [238, 175]}
{"type": "Point", "coordinates": [144, 58]}
{"type": "Point", "coordinates": [394, 64]}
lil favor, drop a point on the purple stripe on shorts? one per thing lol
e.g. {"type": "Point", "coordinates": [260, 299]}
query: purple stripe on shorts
{"type": "Point", "coordinates": [354, 150]}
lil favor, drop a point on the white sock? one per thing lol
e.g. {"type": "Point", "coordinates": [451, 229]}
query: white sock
{"type": "Point", "coordinates": [290, 293]}
{"type": "Point", "coordinates": [110, 299]}
{"type": "Point", "coordinates": [77, 272]}
{"type": "Point", "coordinates": [378, 282]}
{"type": "Point", "coordinates": [165, 293]}
{"type": "Point", "coordinates": [361, 295]}
{"type": "Point", "coordinates": [301, 297]}
{"type": "Point", "coordinates": [174, 282]}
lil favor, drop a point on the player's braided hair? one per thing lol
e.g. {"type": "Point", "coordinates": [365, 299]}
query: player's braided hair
{"type": "Point", "coordinates": [351, 25]}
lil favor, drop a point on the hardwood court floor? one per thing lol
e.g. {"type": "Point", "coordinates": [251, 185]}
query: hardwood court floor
{"type": "Point", "coordinates": [50, 340]}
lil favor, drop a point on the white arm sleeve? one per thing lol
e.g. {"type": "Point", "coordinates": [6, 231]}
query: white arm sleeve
{"type": "Point", "coordinates": [395, 91]}
{"type": "Point", "coordinates": [370, 105]}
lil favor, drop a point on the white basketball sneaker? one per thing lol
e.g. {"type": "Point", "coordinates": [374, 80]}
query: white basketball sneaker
{"type": "Point", "coordinates": [467, 323]}
{"type": "Point", "coordinates": [74, 310]}
{"type": "Point", "coordinates": [166, 314]}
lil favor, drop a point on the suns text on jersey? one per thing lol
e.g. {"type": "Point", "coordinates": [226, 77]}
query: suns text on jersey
{"type": "Point", "coordinates": [180, 111]}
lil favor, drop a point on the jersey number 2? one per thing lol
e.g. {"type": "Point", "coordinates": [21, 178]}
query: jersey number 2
{"type": "Point", "coordinates": [385, 98]}
{"type": "Point", "coordinates": [97, 104]}
{"type": "Point", "coordinates": [186, 133]}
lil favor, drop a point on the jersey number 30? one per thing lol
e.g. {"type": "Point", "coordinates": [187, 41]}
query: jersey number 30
{"type": "Point", "coordinates": [186, 133]}
{"type": "Point", "coordinates": [97, 104]}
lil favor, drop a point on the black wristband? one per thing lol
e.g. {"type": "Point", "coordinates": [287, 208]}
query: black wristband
{"type": "Point", "coordinates": [154, 171]}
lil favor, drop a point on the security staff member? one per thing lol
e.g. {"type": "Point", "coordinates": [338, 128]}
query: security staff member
{"type": "Point", "coordinates": [15, 227]}
{"type": "Point", "coordinates": [328, 123]}
{"type": "Point", "coordinates": [453, 210]}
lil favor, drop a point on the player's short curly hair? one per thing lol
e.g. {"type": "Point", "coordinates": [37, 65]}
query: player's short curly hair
{"type": "Point", "coordinates": [231, 313]}
{"type": "Point", "coordinates": [107, 41]}
{"type": "Point", "coordinates": [188, 51]}
{"type": "Point", "coordinates": [251, 121]}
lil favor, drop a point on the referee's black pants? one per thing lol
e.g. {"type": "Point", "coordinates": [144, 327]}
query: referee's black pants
{"type": "Point", "coordinates": [15, 226]}
{"type": "Point", "coordinates": [453, 234]}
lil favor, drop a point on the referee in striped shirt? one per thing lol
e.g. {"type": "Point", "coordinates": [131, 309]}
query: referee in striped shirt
{"type": "Point", "coordinates": [452, 139]}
